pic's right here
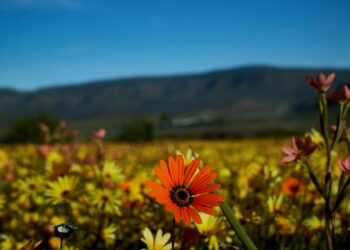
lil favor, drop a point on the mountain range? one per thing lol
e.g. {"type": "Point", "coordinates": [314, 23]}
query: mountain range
{"type": "Point", "coordinates": [238, 101]}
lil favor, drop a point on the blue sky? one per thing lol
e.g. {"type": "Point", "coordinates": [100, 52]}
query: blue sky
{"type": "Point", "coordinates": [51, 42]}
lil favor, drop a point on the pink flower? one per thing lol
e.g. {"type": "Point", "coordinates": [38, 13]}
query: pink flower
{"type": "Point", "coordinates": [341, 95]}
{"type": "Point", "coordinates": [44, 149]}
{"type": "Point", "coordinates": [299, 149]}
{"type": "Point", "coordinates": [321, 83]}
{"type": "Point", "coordinates": [9, 176]}
{"type": "Point", "coordinates": [99, 134]}
{"type": "Point", "coordinates": [344, 165]}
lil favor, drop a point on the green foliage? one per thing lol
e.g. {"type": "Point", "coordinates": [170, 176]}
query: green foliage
{"type": "Point", "coordinates": [26, 130]}
{"type": "Point", "coordinates": [137, 130]}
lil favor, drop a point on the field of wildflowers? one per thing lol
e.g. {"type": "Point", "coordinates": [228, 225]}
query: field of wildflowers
{"type": "Point", "coordinates": [97, 195]}
{"type": "Point", "coordinates": [108, 199]}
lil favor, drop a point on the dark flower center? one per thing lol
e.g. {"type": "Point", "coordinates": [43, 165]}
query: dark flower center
{"type": "Point", "coordinates": [105, 198]}
{"type": "Point", "coordinates": [294, 188]}
{"type": "Point", "coordinates": [181, 196]}
{"type": "Point", "coordinates": [65, 193]}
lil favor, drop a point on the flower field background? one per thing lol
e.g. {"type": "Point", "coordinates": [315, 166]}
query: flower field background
{"type": "Point", "coordinates": [100, 188]}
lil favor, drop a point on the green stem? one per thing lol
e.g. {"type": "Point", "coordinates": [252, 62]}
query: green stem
{"type": "Point", "coordinates": [61, 244]}
{"type": "Point", "coordinates": [324, 117]}
{"type": "Point", "coordinates": [328, 176]}
{"type": "Point", "coordinates": [173, 235]}
{"type": "Point", "coordinates": [341, 194]}
{"type": "Point", "coordinates": [324, 130]}
{"type": "Point", "coordinates": [242, 235]}
{"type": "Point", "coordinates": [313, 177]}
{"type": "Point", "coordinates": [329, 227]}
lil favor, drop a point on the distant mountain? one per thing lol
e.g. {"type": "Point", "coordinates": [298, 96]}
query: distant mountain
{"type": "Point", "coordinates": [239, 101]}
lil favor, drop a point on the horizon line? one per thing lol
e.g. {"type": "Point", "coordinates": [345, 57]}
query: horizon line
{"type": "Point", "coordinates": [160, 75]}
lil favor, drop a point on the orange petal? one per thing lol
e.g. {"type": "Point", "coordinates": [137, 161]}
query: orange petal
{"type": "Point", "coordinates": [205, 189]}
{"type": "Point", "coordinates": [164, 200]}
{"type": "Point", "coordinates": [202, 173]}
{"type": "Point", "coordinates": [163, 178]}
{"type": "Point", "coordinates": [157, 190]}
{"type": "Point", "coordinates": [208, 200]}
{"type": "Point", "coordinates": [203, 182]}
{"type": "Point", "coordinates": [170, 207]}
{"type": "Point", "coordinates": [177, 214]}
{"type": "Point", "coordinates": [206, 210]}
{"type": "Point", "coordinates": [165, 170]}
{"type": "Point", "coordinates": [195, 216]}
{"type": "Point", "coordinates": [181, 168]}
{"type": "Point", "coordinates": [156, 187]}
{"type": "Point", "coordinates": [173, 170]}
{"type": "Point", "coordinates": [185, 216]}
{"type": "Point", "coordinates": [190, 170]}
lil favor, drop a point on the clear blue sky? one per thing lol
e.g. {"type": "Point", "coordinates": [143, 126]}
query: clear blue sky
{"type": "Point", "coordinates": [50, 42]}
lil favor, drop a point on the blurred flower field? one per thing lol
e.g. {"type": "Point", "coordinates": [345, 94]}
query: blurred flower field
{"type": "Point", "coordinates": [100, 188]}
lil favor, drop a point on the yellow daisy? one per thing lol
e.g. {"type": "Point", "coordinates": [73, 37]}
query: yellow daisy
{"type": "Point", "coordinates": [314, 223]}
{"type": "Point", "coordinates": [109, 234]}
{"type": "Point", "coordinates": [209, 227]}
{"type": "Point", "coordinates": [274, 203]}
{"type": "Point", "coordinates": [160, 242]}
{"type": "Point", "coordinates": [210, 224]}
{"type": "Point", "coordinates": [31, 186]}
{"type": "Point", "coordinates": [62, 190]}
{"type": "Point", "coordinates": [106, 199]}
{"type": "Point", "coordinates": [111, 173]}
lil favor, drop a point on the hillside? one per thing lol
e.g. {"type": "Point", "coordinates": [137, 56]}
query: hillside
{"type": "Point", "coordinates": [240, 100]}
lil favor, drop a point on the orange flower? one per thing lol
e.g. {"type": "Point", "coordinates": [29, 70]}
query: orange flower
{"type": "Point", "coordinates": [184, 191]}
{"type": "Point", "coordinates": [293, 186]}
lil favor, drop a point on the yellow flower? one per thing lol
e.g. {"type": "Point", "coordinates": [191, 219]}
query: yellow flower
{"type": "Point", "coordinates": [134, 188]}
{"type": "Point", "coordinates": [314, 223]}
{"type": "Point", "coordinates": [7, 244]}
{"type": "Point", "coordinates": [188, 157]}
{"type": "Point", "coordinates": [109, 234]}
{"type": "Point", "coordinates": [31, 186]}
{"type": "Point", "coordinates": [285, 226]}
{"type": "Point", "coordinates": [210, 224]}
{"type": "Point", "coordinates": [3, 158]}
{"type": "Point", "coordinates": [62, 190]}
{"type": "Point", "coordinates": [213, 243]}
{"type": "Point", "coordinates": [160, 242]}
{"type": "Point", "coordinates": [56, 220]}
{"type": "Point", "coordinates": [111, 172]}
{"type": "Point", "coordinates": [274, 203]}
{"type": "Point", "coordinates": [316, 136]}
{"type": "Point", "coordinates": [106, 199]}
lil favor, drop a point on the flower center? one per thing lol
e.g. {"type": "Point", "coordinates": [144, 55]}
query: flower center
{"type": "Point", "coordinates": [65, 193]}
{"type": "Point", "coordinates": [294, 188]}
{"type": "Point", "coordinates": [105, 198]}
{"type": "Point", "coordinates": [181, 196]}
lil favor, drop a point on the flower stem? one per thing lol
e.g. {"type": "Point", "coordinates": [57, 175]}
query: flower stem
{"type": "Point", "coordinates": [329, 227]}
{"type": "Point", "coordinates": [328, 176]}
{"type": "Point", "coordinates": [61, 244]}
{"type": "Point", "coordinates": [312, 177]}
{"type": "Point", "coordinates": [173, 236]}
{"type": "Point", "coordinates": [242, 235]}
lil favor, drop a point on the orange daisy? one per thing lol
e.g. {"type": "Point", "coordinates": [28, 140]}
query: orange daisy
{"type": "Point", "coordinates": [293, 186]}
{"type": "Point", "coordinates": [185, 190]}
